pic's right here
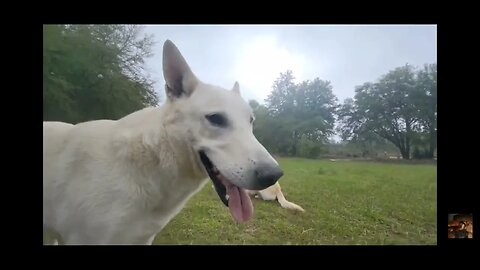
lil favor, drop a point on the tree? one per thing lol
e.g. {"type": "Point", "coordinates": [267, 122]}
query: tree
{"type": "Point", "coordinates": [298, 115]}
{"type": "Point", "coordinates": [315, 106]}
{"type": "Point", "coordinates": [92, 72]}
{"type": "Point", "coordinates": [396, 108]}
{"type": "Point", "coordinates": [281, 100]}
{"type": "Point", "coordinates": [426, 103]}
{"type": "Point", "coordinates": [270, 131]}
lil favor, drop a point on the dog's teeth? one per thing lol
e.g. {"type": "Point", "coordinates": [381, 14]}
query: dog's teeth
{"type": "Point", "coordinates": [226, 196]}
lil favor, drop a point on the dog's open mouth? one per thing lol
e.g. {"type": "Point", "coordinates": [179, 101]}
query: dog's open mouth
{"type": "Point", "coordinates": [234, 197]}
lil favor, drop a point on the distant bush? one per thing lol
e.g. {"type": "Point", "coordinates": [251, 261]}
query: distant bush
{"type": "Point", "coordinates": [308, 148]}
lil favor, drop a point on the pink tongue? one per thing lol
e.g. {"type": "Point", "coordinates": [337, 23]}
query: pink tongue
{"type": "Point", "coordinates": [239, 203]}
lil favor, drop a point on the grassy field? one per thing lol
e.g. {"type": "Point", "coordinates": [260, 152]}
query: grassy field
{"type": "Point", "coordinates": [346, 203]}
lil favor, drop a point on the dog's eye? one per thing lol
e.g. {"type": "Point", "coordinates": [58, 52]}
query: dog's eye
{"type": "Point", "coordinates": [217, 119]}
{"type": "Point", "coordinates": [251, 119]}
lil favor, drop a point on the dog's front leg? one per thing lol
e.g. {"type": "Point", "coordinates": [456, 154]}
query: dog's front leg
{"type": "Point", "coordinates": [150, 240]}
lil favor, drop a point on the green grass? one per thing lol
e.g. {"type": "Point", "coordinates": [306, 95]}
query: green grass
{"type": "Point", "coordinates": [346, 203]}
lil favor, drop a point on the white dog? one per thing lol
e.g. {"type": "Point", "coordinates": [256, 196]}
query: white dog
{"type": "Point", "coordinates": [121, 182]}
{"type": "Point", "coordinates": [274, 192]}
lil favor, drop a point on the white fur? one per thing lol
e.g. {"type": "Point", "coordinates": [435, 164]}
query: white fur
{"type": "Point", "coordinates": [121, 182]}
{"type": "Point", "coordinates": [274, 192]}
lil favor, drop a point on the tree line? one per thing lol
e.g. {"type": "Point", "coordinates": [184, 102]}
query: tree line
{"type": "Point", "coordinates": [399, 109]}
{"type": "Point", "coordinates": [97, 72]}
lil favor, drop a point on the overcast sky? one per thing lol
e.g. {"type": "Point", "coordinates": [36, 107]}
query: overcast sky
{"type": "Point", "coordinates": [254, 55]}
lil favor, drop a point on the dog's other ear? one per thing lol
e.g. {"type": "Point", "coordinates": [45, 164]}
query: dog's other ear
{"type": "Point", "coordinates": [236, 88]}
{"type": "Point", "coordinates": [179, 78]}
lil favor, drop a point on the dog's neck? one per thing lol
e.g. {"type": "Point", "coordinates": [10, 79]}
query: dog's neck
{"type": "Point", "coordinates": [180, 146]}
{"type": "Point", "coordinates": [158, 147]}
{"type": "Point", "coordinates": [184, 155]}
{"type": "Point", "coordinates": [161, 151]}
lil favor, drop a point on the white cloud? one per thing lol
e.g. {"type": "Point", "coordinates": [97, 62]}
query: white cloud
{"type": "Point", "coordinates": [254, 55]}
{"type": "Point", "coordinates": [260, 61]}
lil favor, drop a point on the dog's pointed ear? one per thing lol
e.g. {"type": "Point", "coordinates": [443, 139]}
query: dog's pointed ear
{"type": "Point", "coordinates": [179, 78]}
{"type": "Point", "coordinates": [236, 88]}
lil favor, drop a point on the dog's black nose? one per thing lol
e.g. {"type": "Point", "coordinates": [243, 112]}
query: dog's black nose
{"type": "Point", "coordinates": [267, 175]}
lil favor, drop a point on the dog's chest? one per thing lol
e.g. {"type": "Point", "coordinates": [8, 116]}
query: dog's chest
{"type": "Point", "coordinates": [173, 196]}
{"type": "Point", "coordinates": [166, 205]}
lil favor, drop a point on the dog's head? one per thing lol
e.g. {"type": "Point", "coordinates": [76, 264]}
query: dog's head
{"type": "Point", "coordinates": [218, 124]}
